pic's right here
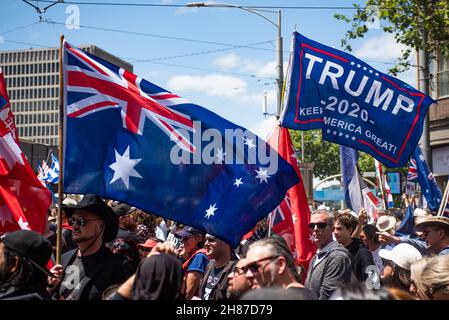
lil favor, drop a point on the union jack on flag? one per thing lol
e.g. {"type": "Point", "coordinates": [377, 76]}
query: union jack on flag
{"type": "Point", "coordinates": [412, 174]}
{"type": "Point", "coordinates": [106, 86]}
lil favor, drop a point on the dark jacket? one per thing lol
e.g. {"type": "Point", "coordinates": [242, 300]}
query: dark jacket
{"type": "Point", "coordinates": [361, 259]}
{"type": "Point", "coordinates": [331, 272]}
{"type": "Point", "coordinates": [219, 290]}
{"type": "Point", "coordinates": [28, 292]}
{"type": "Point", "coordinates": [110, 269]}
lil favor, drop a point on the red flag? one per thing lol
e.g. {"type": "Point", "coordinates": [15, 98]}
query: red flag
{"type": "Point", "coordinates": [24, 202]}
{"type": "Point", "coordinates": [294, 226]}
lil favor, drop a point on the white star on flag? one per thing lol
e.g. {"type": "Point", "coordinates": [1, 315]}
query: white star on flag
{"type": "Point", "coordinates": [294, 218]}
{"type": "Point", "coordinates": [23, 224]}
{"type": "Point", "coordinates": [210, 211]}
{"type": "Point", "coordinates": [123, 167]}
{"type": "Point", "coordinates": [262, 175]}
{"type": "Point", "coordinates": [5, 215]}
{"type": "Point", "coordinates": [10, 151]}
{"type": "Point", "coordinates": [238, 182]}
{"type": "Point", "coordinates": [249, 143]}
{"type": "Point", "coordinates": [311, 237]}
{"type": "Point", "coordinates": [293, 155]}
{"type": "Point", "coordinates": [220, 155]}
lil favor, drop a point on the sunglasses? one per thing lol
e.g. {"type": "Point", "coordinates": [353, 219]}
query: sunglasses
{"type": "Point", "coordinates": [80, 221]}
{"type": "Point", "coordinates": [240, 271]}
{"type": "Point", "coordinates": [320, 225]}
{"type": "Point", "coordinates": [254, 266]}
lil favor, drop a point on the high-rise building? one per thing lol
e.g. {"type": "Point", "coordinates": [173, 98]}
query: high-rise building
{"type": "Point", "coordinates": [32, 81]}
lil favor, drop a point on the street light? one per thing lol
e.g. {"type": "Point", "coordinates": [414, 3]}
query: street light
{"type": "Point", "coordinates": [279, 57]}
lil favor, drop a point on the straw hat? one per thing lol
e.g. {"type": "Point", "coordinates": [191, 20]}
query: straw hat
{"type": "Point", "coordinates": [385, 223]}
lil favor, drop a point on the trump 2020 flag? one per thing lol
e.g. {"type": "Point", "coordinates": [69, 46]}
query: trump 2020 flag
{"type": "Point", "coordinates": [130, 140]}
{"type": "Point", "coordinates": [426, 180]}
{"type": "Point", "coordinates": [352, 103]}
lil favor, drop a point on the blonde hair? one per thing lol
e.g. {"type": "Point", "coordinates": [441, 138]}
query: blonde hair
{"type": "Point", "coordinates": [416, 269]}
{"type": "Point", "coordinates": [435, 275]}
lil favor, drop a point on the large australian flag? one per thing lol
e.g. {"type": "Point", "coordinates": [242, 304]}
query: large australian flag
{"type": "Point", "coordinates": [130, 140]}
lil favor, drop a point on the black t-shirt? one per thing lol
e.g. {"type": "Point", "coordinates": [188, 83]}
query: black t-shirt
{"type": "Point", "coordinates": [212, 281]}
{"type": "Point", "coordinates": [87, 277]}
{"type": "Point", "coordinates": [361, 259]}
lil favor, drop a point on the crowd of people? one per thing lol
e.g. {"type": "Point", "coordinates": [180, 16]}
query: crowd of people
{"type": "Point", "coordinates": [112, 251]}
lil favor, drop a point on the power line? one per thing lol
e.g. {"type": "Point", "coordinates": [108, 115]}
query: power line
{"type": "Point", "coordinates": [18, 28]}
{"type": "Point", "coordinates": [126, 4]}
{"type": "Point", "coordinates": [201, 52]}
{"type": "Point", "coordinates": [159, 63]}
{"type": "Point", "coordinates": [157, 35]}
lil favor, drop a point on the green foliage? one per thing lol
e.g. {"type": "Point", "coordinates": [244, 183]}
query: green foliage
{"type": "Point", "coordinates": [325, 155]}
{"type": "Point", "coordinates": [410, 21]}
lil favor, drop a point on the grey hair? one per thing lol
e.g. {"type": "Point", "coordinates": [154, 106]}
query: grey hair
{"type": "Point", "coordinates": [278, 247]}
{"type": "Point", "coordinates": [330, 216]}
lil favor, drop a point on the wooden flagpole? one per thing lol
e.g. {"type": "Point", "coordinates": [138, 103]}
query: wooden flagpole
{"type": "Point", "coordinates": [444, 200]}
{"type": "Point", "coordinates": [61, 146]}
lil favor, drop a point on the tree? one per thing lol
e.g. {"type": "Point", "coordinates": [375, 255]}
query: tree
{"type": "Point", "coordinates": [418, 24]}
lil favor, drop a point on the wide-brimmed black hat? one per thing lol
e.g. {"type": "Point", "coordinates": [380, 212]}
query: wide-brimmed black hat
{"type": "Point", "coordinates": [31, 246]}
{"type": "Point", "coordinates": [97, 206]}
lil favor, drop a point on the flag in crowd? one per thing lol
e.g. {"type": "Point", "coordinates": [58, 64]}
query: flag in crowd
{"type": "Point", "coordinates": [383, 183]}
{"type": "Point", "coordinates": [406, 228]}
{"type": "Point", "coordinates": [426, 180]}
{"type": "Point", "coordinates": [23, 200]}
{"type": "Point", "coordinates": [48, 174]}
{"type": "Point", "coordinates": [352, 103]}
{"type": "Point", "coordinates": [292, 216]}
{"type": "Point", "coordinates": [150, 152]}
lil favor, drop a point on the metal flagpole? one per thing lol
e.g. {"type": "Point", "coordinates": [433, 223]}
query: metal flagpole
{"type": "Point", "coordinates": [61, 162]}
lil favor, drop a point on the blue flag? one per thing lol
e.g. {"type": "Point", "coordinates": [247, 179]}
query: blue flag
{"type": "Point", "coordinates": [354, 104]}
{"type": "Point", "coordinates": [406, 228]}
{"type": "Point", "coordinates": [129, 140]}
{"type": "Point", "coordinates": [352, 181]}
{"type": "Point", "coordinates": [426, 180]}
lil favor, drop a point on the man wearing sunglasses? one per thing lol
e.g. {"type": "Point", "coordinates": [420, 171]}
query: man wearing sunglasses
{"type": "Point", "coordinates": [87, 271]}
{"type": "Point", "coordinates": [269, 263]}
{"type": "Point", "coordinates": [238, 284]}
{"type": "Point", "coordinates": [330, 267]}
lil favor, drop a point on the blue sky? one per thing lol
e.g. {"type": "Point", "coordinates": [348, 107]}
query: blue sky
{"type": "Point", "coordinates": [230, 82]}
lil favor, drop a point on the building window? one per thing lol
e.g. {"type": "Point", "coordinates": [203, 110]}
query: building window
{"type": "Point", "coordinates": [443, 76]}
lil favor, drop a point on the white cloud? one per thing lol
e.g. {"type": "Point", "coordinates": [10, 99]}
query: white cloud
{"type": "Point", "coordinates": [228, 61]}
{"type": "Point", "coordinates": [264, 128]}
{"type": "Point", "coordinates": [409, 77]}
{"type": "Point", "coordinates": [2, 40]}
{"type": "Point", "coordinates": [166, 1]}
{"type": "Point", "coordinates": [382, 48]}
{"type": "Point", "coordinates": [211, 85]}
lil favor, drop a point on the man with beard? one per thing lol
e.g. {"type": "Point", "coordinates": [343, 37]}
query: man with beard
{"type": "Point", "coordinates": [238, 284]}
{"type": "Point", "coordinates": [87, 271]}
{"type": "Point", "coordinates": [215, 281]}
{"type": "Point", "coordinates": [269, 263]}
{"type": "Point", "coordinates": [24, 256]}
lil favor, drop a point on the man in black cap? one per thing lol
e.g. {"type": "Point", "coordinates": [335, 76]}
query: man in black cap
{"type": "Point", "coordinates": [24, 256]}
{"type": "Point", "coordinates": [126, 226]}
{"type": "Point", "coordinates": [87, 271]}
